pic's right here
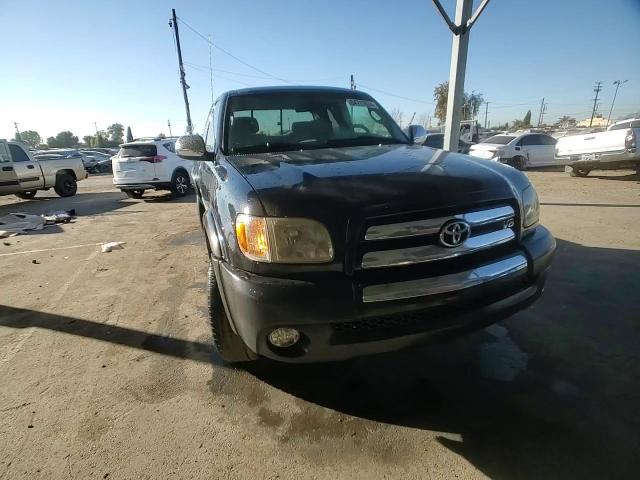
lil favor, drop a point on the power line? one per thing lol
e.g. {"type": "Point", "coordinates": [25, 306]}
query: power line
{"type": "Point", "coordinates": [394, 95]}
{"type": "Point", "coordinates": [246, 64]}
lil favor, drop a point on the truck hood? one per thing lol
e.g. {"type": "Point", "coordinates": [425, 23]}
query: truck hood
{"type": "Point", "coordinates": [373, 180]}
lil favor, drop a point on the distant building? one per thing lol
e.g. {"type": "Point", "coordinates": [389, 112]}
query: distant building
{"type": "Point", "coordinates": [598, 121]}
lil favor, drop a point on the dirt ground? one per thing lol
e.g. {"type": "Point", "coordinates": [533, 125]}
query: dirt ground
{"type": "Point", "coordinates": [106, 369]}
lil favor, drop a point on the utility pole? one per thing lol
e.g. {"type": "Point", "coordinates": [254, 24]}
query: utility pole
{"type": "Point", "coordinates": [412, 117]}
{"type": "Point", "coordinates": [597, 89]}
{"type": "Point", "coordinates": [540, 114]}
{"type": "Point", "coordinates": [169, 125]}
{"type": "Point", "coordinates": [15, 124]}
{"type": "Point", "coordinates": [617, 83]}
{"type": "Point", "coordinates": [211, 71]}
{"type": "Point", "coordinates": [464, 21]}
{"type": "Point", "coordinates": [95, 124]}
{"type": "Point", "coordinates": [486, 112]}
{"type": "Point", "coordinates": [174, 23]}
{"type": "Point", "coordinates": [353, 83]}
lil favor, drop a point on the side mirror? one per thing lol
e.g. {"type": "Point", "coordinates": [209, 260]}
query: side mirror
{"type": "Point", "coordinates": [191, 147]}
{"type": "Point", "coordinates": [417, 134]}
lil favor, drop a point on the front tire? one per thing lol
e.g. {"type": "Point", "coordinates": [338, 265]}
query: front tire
{"type": "Point", "coordinates": [28, 195]}
{"type": "Point", "coordinates": [518, 162]}
{"type": "Point", "coordinates": [66, 185]}
{"type": "Point", "coordinates": [180, 183]}
{"type": "Point", "coordinates": [225, 341]}
{"type": "Point", "coordinates": [579, 172]}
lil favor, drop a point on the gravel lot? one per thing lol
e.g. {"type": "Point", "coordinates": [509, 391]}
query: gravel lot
{"type": "Point", "coordinates": [107, 372]}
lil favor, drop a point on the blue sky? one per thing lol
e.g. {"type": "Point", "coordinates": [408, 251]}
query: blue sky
{"type": "Point", "coordinates": [69, 64]}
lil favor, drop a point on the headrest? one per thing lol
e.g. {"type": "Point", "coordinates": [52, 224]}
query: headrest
{"type": "Point", "coordinates": [246, 124]}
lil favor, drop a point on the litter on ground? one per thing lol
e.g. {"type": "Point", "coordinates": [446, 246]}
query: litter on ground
{"type": "Point", "coordinates": [107, 247]}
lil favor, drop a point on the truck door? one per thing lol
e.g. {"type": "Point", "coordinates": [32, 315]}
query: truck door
{"type": "Point", "coordinates": [27, 169]}
{"type": "Point", "coordinates": [8, 178]}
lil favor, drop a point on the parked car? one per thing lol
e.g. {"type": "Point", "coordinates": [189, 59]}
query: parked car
{"type": "Point", "coordinates": [23, 175]}
{"type": "Point", "coordinates": [98, 161]}
{"type": "Point", "coordinates": [105, 166]}
{"type": "Point", "coordinates": [88, 161]}
{"type": "Point", "coordinates": [332, 234]}
{"type": "Point", "coordinates": [436, 140]}
{"type": "Point", "coordinates": [521, 151]}
{"type": "Point", "coordinates": [611, 150]}
{"type": "Point", "coordinates": [150, 164]}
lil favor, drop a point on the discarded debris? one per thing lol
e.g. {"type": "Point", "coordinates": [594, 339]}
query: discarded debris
{"type": "Point", "coordinates": [59, 216]}
{"type": "Point", "coordinates": [107, 247]}
{"type": "Point", "coordinates": [35, 262]}
{"type": "Point", "coordinates": [16, 223]}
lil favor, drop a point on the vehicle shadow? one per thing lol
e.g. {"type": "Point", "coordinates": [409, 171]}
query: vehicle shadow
{"type": "Point", "coordinates": [631, 177]}
{"type": "Point", "coordinates": [552, 392]}
{"type": "Point", "coordinates": [92, 203]}
{"type": "Point", "coordinates": [169, 197]}
{"type": "Point", "coordinates": [549, 393]}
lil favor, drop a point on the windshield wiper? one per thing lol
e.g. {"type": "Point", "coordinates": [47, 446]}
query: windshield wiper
{"type": "Point", "coordinates": [364, 140]}
{"type": "Point", "coordinates": [269, 147]}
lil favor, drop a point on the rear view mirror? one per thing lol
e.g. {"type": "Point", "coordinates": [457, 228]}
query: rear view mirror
{"type": "Point", "coordinates": [191, 147]}
{"type": "Point", "coordinates": [417, 134]}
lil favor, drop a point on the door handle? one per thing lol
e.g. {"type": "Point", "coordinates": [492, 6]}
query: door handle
{"type": "Point", "coordinates": [518, 148]}
{"type": "Point", "coordinates": [7, 169]}
{"type": "Point", "coordinates": [31, 167]}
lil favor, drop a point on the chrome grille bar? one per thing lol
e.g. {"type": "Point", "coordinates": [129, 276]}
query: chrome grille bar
{"type": "Point", "coordinates": [446, 283]}
{"type": "Point", "coordinates": [429, 253]}
{"type": "Point", "coordinates": [432, 225]}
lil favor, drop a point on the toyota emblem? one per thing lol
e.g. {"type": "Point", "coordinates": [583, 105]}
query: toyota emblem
{"type": "Point", "coordinates": [454, 233]}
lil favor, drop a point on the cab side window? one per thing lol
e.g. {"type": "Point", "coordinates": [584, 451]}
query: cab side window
{"type": "Point", "coordinates": [4, 153]}
{"type": "Point", "coordinates": [18, 154]}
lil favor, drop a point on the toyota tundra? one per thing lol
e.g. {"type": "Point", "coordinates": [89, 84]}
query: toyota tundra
{"type": "Point", "coordinates": [333, 234]}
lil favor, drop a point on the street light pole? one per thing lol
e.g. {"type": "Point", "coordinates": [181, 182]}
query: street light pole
{"type": "Point", "coordinates": [617, 83]}
{"type": "Point", "coordinates": [464, 21]}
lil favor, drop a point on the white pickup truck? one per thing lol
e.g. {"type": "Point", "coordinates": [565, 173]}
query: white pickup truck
{"type": "Point", "coordinates": [23, 176]}
{"type": "Point", "coordinates": [611, 150]}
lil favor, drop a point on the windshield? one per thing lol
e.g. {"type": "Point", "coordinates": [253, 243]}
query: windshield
{"type": "Point", "coordinates": [499, 139]}
{"type": "Point", "coordinates": [305, 120]}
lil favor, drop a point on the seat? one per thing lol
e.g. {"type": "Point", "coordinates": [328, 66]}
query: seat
{"type": "Point", "coordinates": [319, 129]}
{"type": "Point", "coordinates": [244, 133]}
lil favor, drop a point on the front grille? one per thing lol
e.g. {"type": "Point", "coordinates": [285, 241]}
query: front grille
{"type": "Point", "coordinates": [418, 241]}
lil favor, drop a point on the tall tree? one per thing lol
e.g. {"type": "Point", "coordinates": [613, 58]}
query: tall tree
{"type": "Point", "coordinates": [64, 139]}
{"type": "Point", "coordinates": [526, 121]}
{"type": "Point", "coordinates": [129, 135]}
{"type": "Point", "coordinates": [88, 140]}
{"type": "Point", "coordinates": [115, 133]}
{"type": "Point", "coordinates": [31, 137]}
{"type": "Point", "coordinates": [100, 139]}
{"type": "Point", "coordinates": [471, 103]}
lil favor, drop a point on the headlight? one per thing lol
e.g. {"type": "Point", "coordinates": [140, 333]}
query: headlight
{"type": "Point", "coordinates": [530, 206]}
{"type": "Point", "coordinates": [283, 240]}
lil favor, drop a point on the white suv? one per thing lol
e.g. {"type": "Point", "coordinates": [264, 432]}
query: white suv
{"type": "Point", "coordinates": [151, 164]}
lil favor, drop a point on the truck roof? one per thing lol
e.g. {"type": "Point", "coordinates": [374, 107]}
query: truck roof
{"type": "Point", "coordinates": [296, 88]}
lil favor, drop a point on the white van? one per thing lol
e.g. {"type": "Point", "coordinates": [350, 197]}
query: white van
{"type": "Point", "coordinates": [151, 164]}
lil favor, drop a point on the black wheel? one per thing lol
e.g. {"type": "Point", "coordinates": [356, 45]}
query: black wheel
{"type": "Point", "coordinates": [134, 193]}
{"type": "Point", "coordinates": [28, 195]}
{"type": "Point", "coordinates": [228, 345]}
{"type": "Point", "coordinates": [180, 183]}
{"type": "Point", "coordinates": [518, 162]}
{"type": "Point", "coordinates": [66, 185]}
{"type": "Point", "coordinates": [579, 172]}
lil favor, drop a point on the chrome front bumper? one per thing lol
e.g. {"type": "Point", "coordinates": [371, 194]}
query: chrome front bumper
{"type": "Point", "coordinates": [510, 266]}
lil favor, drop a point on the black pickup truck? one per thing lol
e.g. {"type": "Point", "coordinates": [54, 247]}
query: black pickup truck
{"type": "Point", "coordinates": [332, 234]}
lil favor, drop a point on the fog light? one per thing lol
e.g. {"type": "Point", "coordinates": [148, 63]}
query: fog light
{"type": "Point", "coordinates": [284, 337]}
